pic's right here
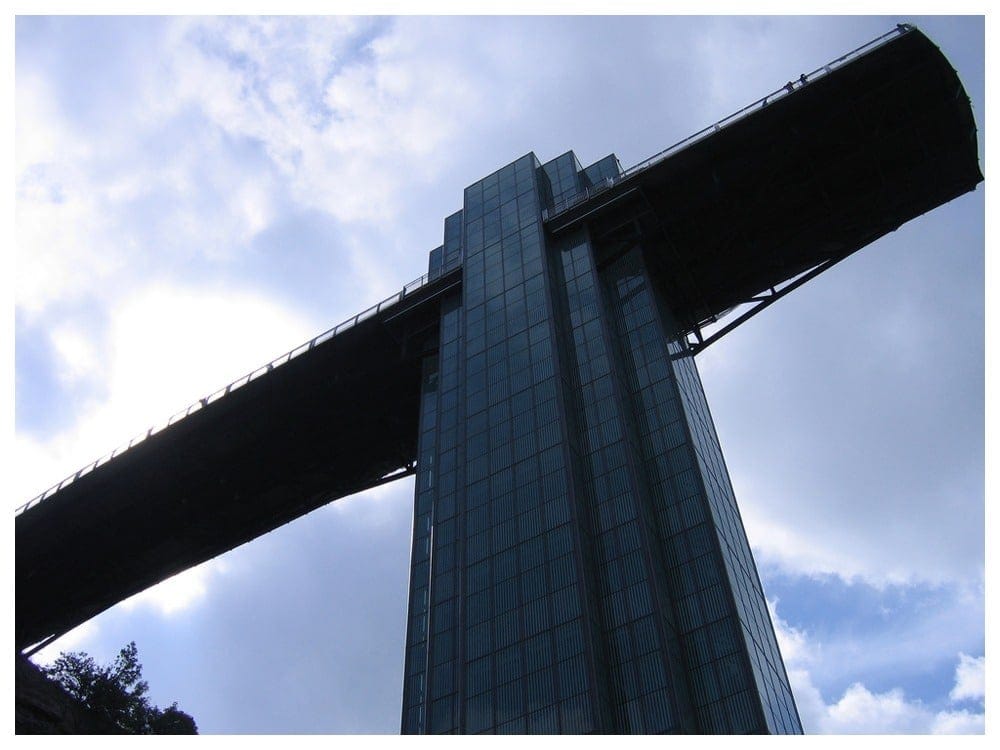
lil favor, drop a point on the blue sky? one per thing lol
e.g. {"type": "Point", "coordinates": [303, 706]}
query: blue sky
{"type": "Point", "coordinates": [197, 196]}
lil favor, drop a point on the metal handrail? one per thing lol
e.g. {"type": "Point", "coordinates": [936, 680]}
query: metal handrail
{"type": "Point", "coordinates": [407, 290]}
{"type": "Point", "coordinates": [568, 202]}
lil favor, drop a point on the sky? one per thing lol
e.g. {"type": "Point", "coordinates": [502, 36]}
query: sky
{"type": "Point", "coordinates": [195, 196]}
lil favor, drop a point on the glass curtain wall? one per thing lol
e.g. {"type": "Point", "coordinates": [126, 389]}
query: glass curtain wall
{"type": "Point", "coordinates": [578, 562]}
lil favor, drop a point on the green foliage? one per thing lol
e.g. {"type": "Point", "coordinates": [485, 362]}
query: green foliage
{"type": "Point", "coordinates": [118, 693]}
{"type": "Point", "coordinates": [171, 721]}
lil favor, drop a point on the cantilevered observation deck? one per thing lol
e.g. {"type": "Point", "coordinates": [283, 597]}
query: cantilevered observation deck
{"type": "Point", "coordinates": [733, 218]}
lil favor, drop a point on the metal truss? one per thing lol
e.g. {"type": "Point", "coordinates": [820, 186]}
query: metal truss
{"type": "Point", "coordinates": [759, 301]}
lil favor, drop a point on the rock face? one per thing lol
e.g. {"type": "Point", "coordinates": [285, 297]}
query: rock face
{"type": "Point", "coordinates": [42, 707]}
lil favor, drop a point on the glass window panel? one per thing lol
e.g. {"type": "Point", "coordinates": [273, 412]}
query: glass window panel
{"type": "Point", "coordinates": [442, 681]}
{"type": "Point", "coordinates": [538, 652]}
{"type": "Point", "coordinates": [544, 721]}
{"type": "Point", "coordinates": [441, 714]}
{"type": "Point", "coordinates": [566, 604]}
{"type": "Point", "coordinates": [569, 639]}
{"type": "Point", "coordinates": [479, 712]}
{"type": "Point", "coordinates": [572, 676]}
{"type": "Point", "coordinates": [540, 692]}
{"type": "Point", "coordinates": [510, 701]}
{"type": "Point", "coordinates": [575, 716]}
{"type": "Point", "coordinates": [478, 641]}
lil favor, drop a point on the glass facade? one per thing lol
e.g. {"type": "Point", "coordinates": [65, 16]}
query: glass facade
{"type": "Point", "coordinates": [578, 561]}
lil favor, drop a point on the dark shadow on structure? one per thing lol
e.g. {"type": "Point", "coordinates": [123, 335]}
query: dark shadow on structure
{"type": "Point", "coordinates": [43, 707]}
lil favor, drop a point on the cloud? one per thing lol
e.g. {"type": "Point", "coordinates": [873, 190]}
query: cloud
{"type": "Point", "coordinates": [102, 203]}
{"type": "Point", "coordinates": [165, 343]}
{"type": "Point", "coordinates": [851, 412]}
{"type": "Point", "coordinates": [178, 592]}
{"type": "Point", "coordinates": [862, 455]}
{"type": "Point", "coordinates": [76, 355]}
{"type": "Point", "coordinates": [155, 156]}
{"type": "Point", "coordinates": [337, 106]}
{"type": "Point", "coordinates": [237, 125]}
{"type": "Point", "coordinates": [61, 232]}
{"type": "Point", "coordinates": [376, 508]}
{"type": "Point", "coordinates": [970, 678]}
{"type": "Point", "coordinates": [958, 722]}
{"type": "Point", "coordinates": [859, 710]}
{"type": "Point", "coordinates": [168, 346]}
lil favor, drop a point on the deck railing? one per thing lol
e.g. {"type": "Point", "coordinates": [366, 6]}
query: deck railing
{"type": "Point", "coordinates": [563, 205]}
{"type": "Point", "coordinates": [805, 79]}
{"type": "Point", "coordinates": [402, 294]}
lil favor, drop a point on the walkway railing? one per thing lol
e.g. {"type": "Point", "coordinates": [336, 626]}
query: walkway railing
{"type": "Point", "coordinates": [562, 206]}
{"type": "Point", "coordinates": [568, 202]}
{"type": "Point", "coordinates": [407, 290]}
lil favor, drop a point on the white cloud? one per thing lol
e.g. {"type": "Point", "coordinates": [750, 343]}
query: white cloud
{"type": "Point", "coordinates": [375, 508]}
{"type": "Point", "coordinates": [970, 678]}
{"type": "Point", "coordinates": [178, 592]}
{"type": "Point", "coordinates": [42, 135]}
{"type": "Point", "coordinates": [147, 190]}
{"type": "Point", "coordinates": [958, 722]}
{"type": "Point", "coordinates": [167, 347]}
{"type": "Point", "coordinates": [861, 711]}
{"type": "Point", "coordinates": [239, 120]}
{"type": "Point", "coordinates": [60, 226]}
{"type": "Point", "coordinates": [346, 122]}
{"type": "Point", "coordinates": [77, 355]}
{"type": "Point", "coordinates": [229, 125]}
{"type": "Point", "coordinates": [793, 643]}
{"type": "Point", "coordinates": [837, 473]}
{"type": "Point", "coordinates": [780, 543]}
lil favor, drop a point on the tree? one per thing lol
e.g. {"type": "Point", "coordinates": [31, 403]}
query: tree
{"type": "Point", "coordinates": [171, 721]}
{"type": "Point", "coordinates": [118, 693]}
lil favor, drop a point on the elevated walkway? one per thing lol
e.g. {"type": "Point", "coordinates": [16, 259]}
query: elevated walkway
{"type": "Point", "coordinates": [733, 217]}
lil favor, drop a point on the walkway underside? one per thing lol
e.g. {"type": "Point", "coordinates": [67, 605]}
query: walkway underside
{"type": "Point", "coordinates": [803, 181]}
